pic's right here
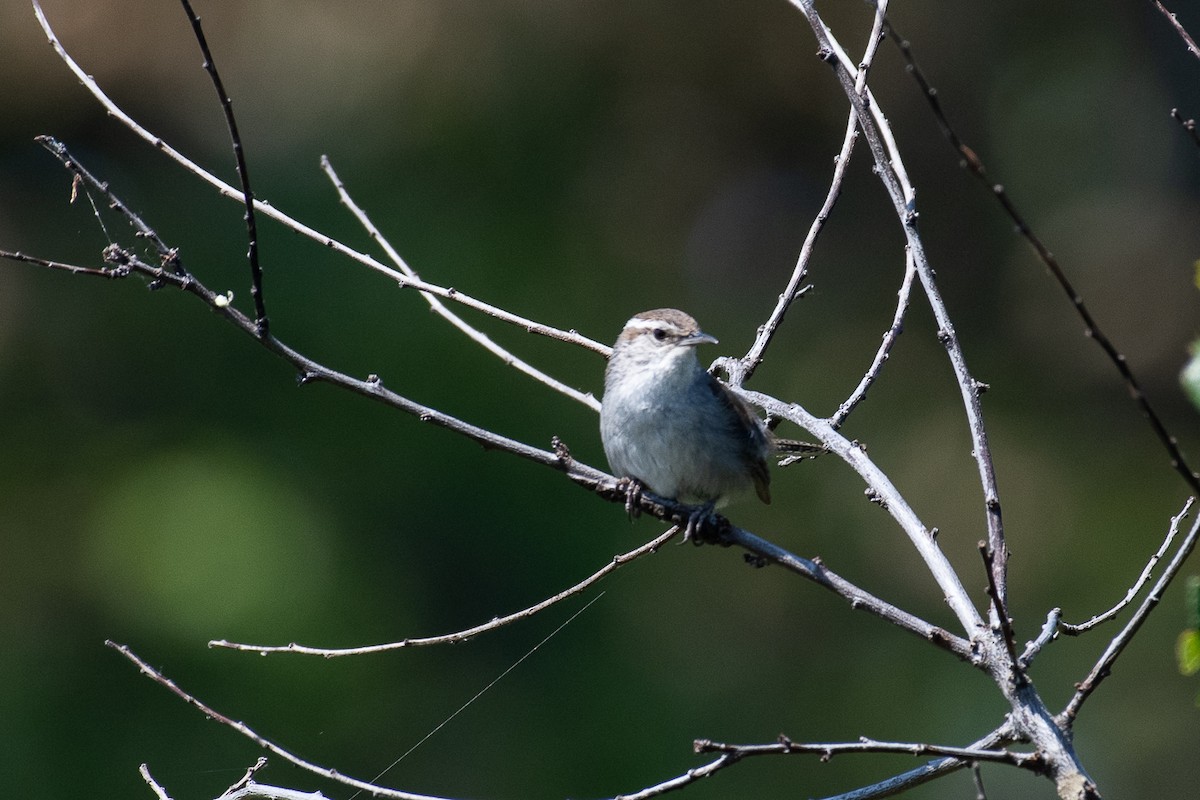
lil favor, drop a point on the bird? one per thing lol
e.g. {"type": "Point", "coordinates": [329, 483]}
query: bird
{"type": "Point", "coordinates": [670, 426]}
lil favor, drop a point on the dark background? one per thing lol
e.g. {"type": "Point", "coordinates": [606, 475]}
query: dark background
{"type": "Point", "coordinates": [163, 482]}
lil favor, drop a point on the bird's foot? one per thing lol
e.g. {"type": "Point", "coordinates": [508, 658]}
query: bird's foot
{"type": "Point", "coordinates": [632, 488]}
{"type": "Point", "coordinates": [697, 520]}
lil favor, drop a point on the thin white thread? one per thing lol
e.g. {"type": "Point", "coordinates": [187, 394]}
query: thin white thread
{"type": "Point", "coordinates": [481, 692]}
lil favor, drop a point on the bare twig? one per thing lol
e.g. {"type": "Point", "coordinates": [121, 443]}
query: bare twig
{"type": "Point", "coordinates": [1172, 530]}
{"type": "Point", "coordinates": [1103, 666]}
{"type": "Point", "coordinates": [440, 308]}
{"type": "Point", "coordinates": [887, 788]}
{"type": "Point", "coordinates": [1091, 329]}
{"type": "Point", "coordinates": [859, 598]}
{"type": "Point", "coordinates": [749, 362]}
{"type": "Point", "coordinates": [888, 497]}
{"type": "Point", "coordinates": [266, 209]}
{"type": "Point", "coordinates": [977, 777]}
{"type": "Point", "coordinates": [1188, 125]}
{"type": "Point", "coordinates": [1049, 633]}
{"type": "Point", "coordinates": [885, 347]}
{"type": "Point", "coordinates": [898, 784]}
{"type": "Point", "coordinates": [827, 750]}
{"type": "Point", "coordinates": [1183, 34]}
{"type": "Point", "coordinates": [266, 744]}
{"type": "Point", "coordinates": [253, 789]}
{"type": "Point", "coordinates": [74, 269]}
{"type": "Point", "coordinates": [686, 779]}
{"type": "Point", "coordinates": [462, 636]}
{"type": "Point", "coordinates": [141, 229]}
{"type": "Point", "coordinates": [1001, 614]}
{"type": "Point", "coordinates": [243, 171]}
{"type": "Point", "coordinates": [245, 780]}
{"type": "Point", "coordinates": [154, 785]}
{"type": "Point", "coordinates": [890, 169]}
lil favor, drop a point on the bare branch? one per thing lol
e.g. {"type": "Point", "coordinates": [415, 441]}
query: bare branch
{"type": "Point", "coordinates": [890, 169]}
{"type": "Point", "coordinates": [857, 597]}
{"type": "Point", "coordinates": [898, 784]}
{"type": "Point", "coordinates": [1091, 329]}
{"type": "Point", "coordinates": [245, 730]}
{"type": "Point", "coordinates": [1183, 34]}
{"type": "Point", "coordinates": [888, 497]}
{"type": "Point", "coordinates": [75, 269]}
{"type": "Point", "coordinates": [827, 750]}
{"type": "Point", "coordinates": [1049, 633]}
{"type": "Point", "coordinates": [977, 776]}
{"type": "Point", "coordinates": [266, 209]}
{"type": "Point", "coordinates": [440, 308]}
{"type": "Point", "coordinates": [243, 171]}
{"type": "Point", "coordinates": [1103, 666]}
{"type": "Point", "coordinates": [246, 779]}
{"type": "Point", "coordinates": [154, 785]}
{"type": "Point", "coordinates": [885, 348]}
{"type": "Point", "coordinates": [1000, 612]}
{"type": "Point", "coordinates": [462, 636]}
{"type": "Point", "coordinates": [887, 788]}
{"type": "Point", "coordinates": [684, 780]}
{"type": "Point", "coordinates": [1188, 125]}
{"type": "Point", "coordinates": [1147, 571]}
{"type": "Point", "coordinates": [749, 362]}
{"type": "Point", "coordinates": [253, 789]}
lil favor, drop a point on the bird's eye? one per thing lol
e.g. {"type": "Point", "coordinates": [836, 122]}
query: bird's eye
{"type": "Point", "coordinates": [660, 335]}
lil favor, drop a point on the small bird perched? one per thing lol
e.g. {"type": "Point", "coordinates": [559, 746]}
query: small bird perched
{"type": "Point", "coordinates": [668, 424]}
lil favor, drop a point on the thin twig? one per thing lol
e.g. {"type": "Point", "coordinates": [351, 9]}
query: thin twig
{"type": "Point", "coordinates": [1103, 666]}
{"type": "Point", "coordinates": [1172, 530]}
{"type": "Point", "coordinates": [254, 789]}
{"type": "Point", "coordinates": [142, 230]}
{"type": "Point", "coordinates": [859, 598]}
{"type": "Point", "coordinates": [886, 788]}
{"type": "Point", "coordinates": [154, 785]}
{"type": "Point", "coordinates": [750, 362]}
{"type": "Point", "coordinates": [885, 347]}
{"type": "Point", "coordinates": [440, 308]}
{"type": "Point", "coordinates": [888, 496]}
{"type": "Point", "coordinates": [462, 636]}
{"type": "Point", "coordinates": [1001, 614]}
{"type": "Point", "coordinates": [972, 162]}
{"type": "Point", "coordinates": [890, 170]}
{"type": "Point", "coordinates": [827, 750]}
{"type": "Point", "coordinates": [898, 784]}
{"type": "Point", "coordinates": [1188, 125]}
{"type": "Point", "coordinates": [1187, 39]}
{"type": "Point", "coordinates": [266, 744]}
{"type": "Point", "coordinates": [75, 269]}
{"type": "Point", "coordinates": [246, 779]}
{"type": "Point", "coordinates": [977, 776]}
{"type": "Point", "coordinates": [1029, 714]}
{"type": "Point", "coordinates": [686, 779]}
{"type": "Point", "coordinates": [1049, 633]}
{"type": "Point", "coordinates": [266, 209]}
{"type": "Point", "coordinates": [243, 171]}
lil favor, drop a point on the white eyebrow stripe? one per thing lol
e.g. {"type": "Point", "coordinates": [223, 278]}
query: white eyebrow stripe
{"type": "Point", "coordinates": [649, 324]}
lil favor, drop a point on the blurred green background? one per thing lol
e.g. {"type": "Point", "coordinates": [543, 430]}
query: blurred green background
{"type": "Point", "coordinates": [163, 481]}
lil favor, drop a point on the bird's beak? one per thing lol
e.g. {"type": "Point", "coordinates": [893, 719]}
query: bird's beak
{"type": "Point", "coordinates": [699, 337]}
